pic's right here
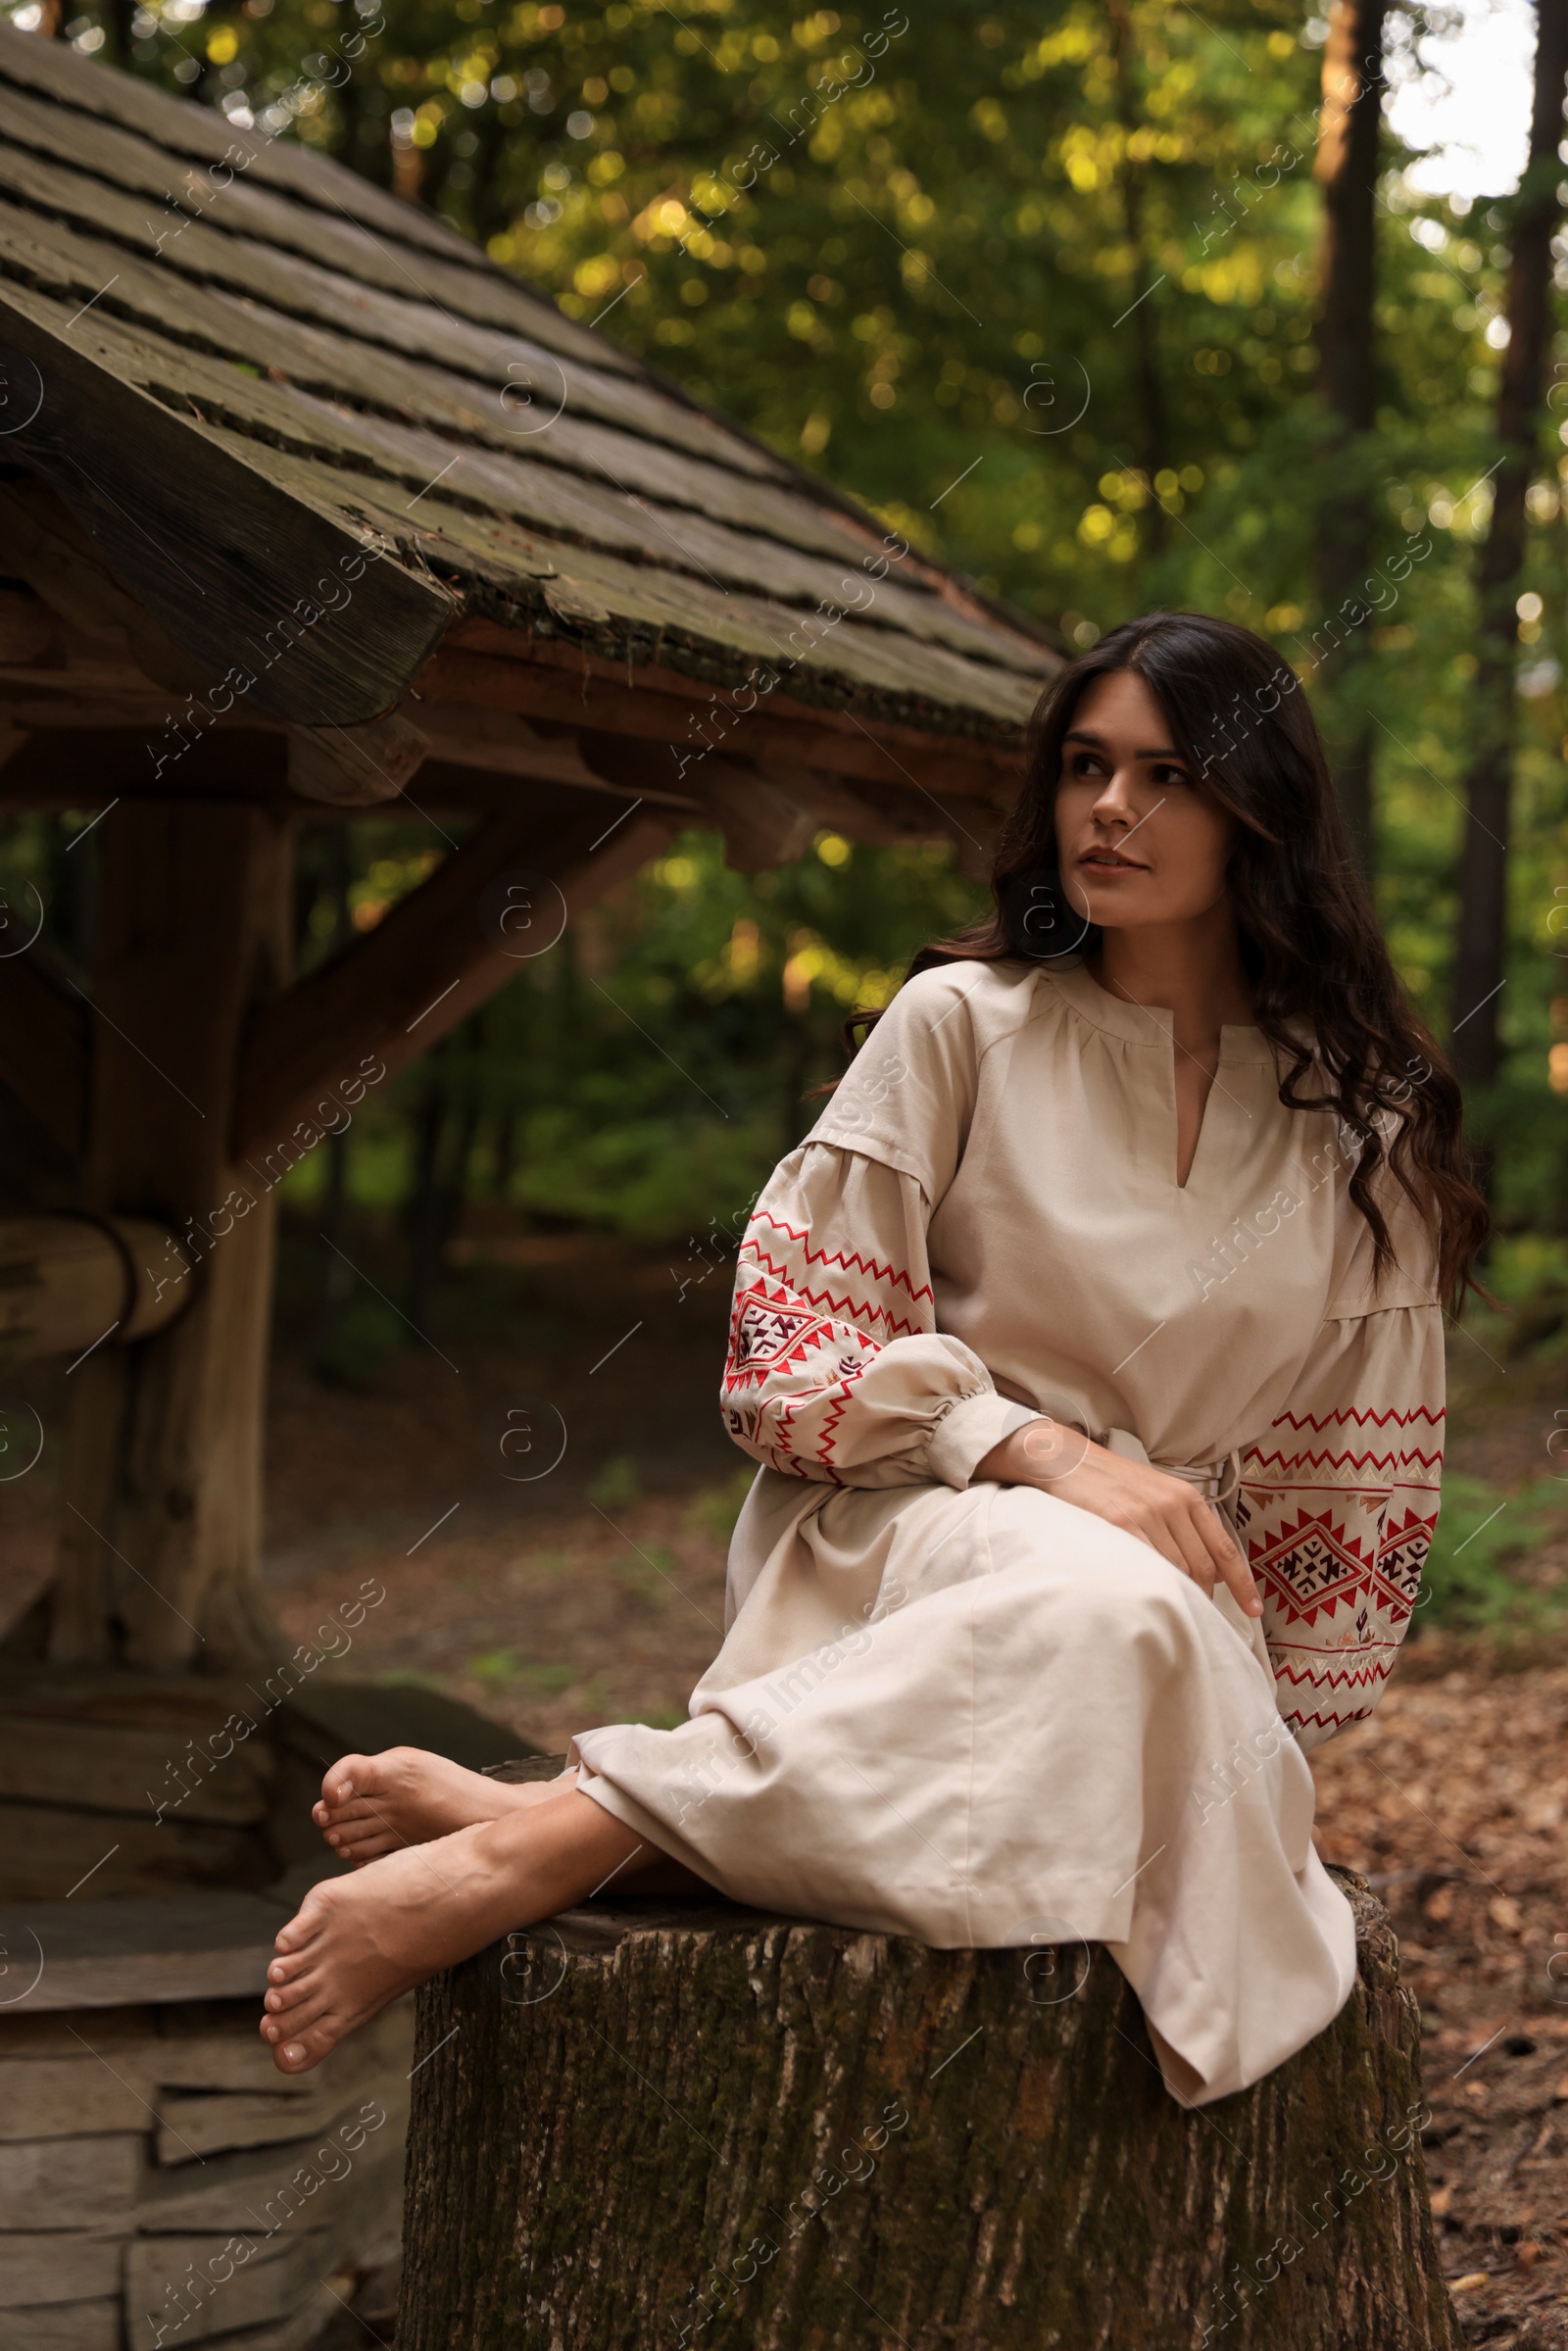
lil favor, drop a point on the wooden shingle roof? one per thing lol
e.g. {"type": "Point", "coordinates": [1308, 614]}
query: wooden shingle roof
{"type": "Point", "coordinates": [236, 363]}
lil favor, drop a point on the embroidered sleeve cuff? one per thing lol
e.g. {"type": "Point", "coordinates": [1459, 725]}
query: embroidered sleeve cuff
{"type": "Point", "coordinates": [964, 1435]}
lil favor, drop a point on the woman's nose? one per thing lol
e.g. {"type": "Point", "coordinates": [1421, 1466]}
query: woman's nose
{"type": "Point", "coordinates": [1114, 804]}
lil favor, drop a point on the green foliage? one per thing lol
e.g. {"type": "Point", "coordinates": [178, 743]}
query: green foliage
{"type": "Point", "coordinates": [616, 1484]}
{"type": "Point", "coordinates": [360, 1339]}
{"type": "Point", "coordinates": [714, 1511]}
{"type": "Point", "coordinates": [1471, 1581]}
{"type": "Point", "coordinates": [1038, 284]}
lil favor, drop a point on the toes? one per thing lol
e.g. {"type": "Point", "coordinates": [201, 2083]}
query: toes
{"type": "Point", "coordinates": [348, 1773]}
{"type": "Point", "coordinates": [369, 1848]}
{"type": "Point", "coordinates": [294, 2023]}
{"type": "Point", "coordinates": [302, 1929]}
{"type": "Point", "coordinates": [306, 2049]}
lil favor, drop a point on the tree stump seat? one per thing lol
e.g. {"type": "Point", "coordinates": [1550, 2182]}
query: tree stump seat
{"type": "Point", "coordinates": [654, 2124]}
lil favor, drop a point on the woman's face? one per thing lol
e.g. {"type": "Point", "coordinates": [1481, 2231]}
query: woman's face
{"type": "Point", "coordinates": [1137, 840]}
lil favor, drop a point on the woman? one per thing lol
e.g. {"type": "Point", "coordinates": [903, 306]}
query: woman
{"type": "Point", "coordinates": [1092, 1349]}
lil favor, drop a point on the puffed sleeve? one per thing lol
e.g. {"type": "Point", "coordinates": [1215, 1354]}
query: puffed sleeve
{"type": "Point", "coordinates": [836, 1369]}
{"type": "Point", "coordinates": [1338, 1501]}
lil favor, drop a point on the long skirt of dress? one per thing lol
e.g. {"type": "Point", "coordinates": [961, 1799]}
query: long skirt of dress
{"type": "Point", "coordinates": [987, 1718]}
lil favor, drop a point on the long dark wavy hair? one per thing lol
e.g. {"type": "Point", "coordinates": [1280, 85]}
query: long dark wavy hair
{"type": "Point", "coordinates": [1324, 991]}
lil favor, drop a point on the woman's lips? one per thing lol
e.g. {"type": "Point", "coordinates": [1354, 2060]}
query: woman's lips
{"type": "Point", "coordinates": [1104, 861]}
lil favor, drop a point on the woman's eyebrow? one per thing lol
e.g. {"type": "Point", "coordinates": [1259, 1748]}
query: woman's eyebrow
{"type": "Point", "coordinates": [1078, 735]}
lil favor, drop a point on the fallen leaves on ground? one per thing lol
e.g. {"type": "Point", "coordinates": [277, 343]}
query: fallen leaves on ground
{"type": "Point", "coordinates": [1452, 1801]}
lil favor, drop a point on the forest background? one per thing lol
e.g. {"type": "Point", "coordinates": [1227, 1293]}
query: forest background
{"type": "Point", "coordinates": [1099, 303]}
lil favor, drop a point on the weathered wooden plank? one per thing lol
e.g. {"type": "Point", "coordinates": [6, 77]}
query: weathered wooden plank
{"type": "Point", "coordinates": [46, 2034]}
{"type": "Point", "coordinates": [65, 2326]}
{"type": "Point", "coordinates": [810, 556]}
{"type": "Point", "coordinates": [197, 2285]}
{"type": "Point", "coordinates": [175, 189]}
{"type": "Point", "coordinates": [180, 1705]}
{"type": "Point", "coordinates": [67, 2097]}
{"type": "Point", "coordinates": [231, 591]}
{"type": "Point", "coordinates": [46, 1850]}
{"type": "Point", "coordinates": [44, 1045]}
{"type": "Point", "coordinates": [601, 515]}
{"type": "Point", "coordinates": [201, 2123]}
{"type": "Point", "coordinates": [140, 1773]}
{"type": "Point", "coordinates": [385, 230]}
{"type": "Point", "coordinates": [439, 953]}
{"type": "Point", "coordinates": [58, 2266]}
{"type": "Point", "coordinates": [70, 2182]}
{"type": "Point", "coordinates": [237, 2060]}
{"type": "Point", "coordinates": [256, 2189]}
{"type": "Point", "coordinates": [121, 1954]}
{"type": "Point", "coordinates": [246, 266]}
{"type": "Point", "coordinates": [206, 136]}
{"type": "Point", "coordinates": [334, 367]}
{"type": "Point", "coordinates": [829, 658]}
{"type": "Point", "coordinates": [560, 683]}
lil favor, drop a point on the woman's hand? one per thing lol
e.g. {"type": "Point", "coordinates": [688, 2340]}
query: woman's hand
{"type": "Point", "coordinates": [1172, 1517]}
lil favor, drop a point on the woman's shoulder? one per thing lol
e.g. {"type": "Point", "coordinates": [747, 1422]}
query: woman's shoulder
{"type": "Point", "coordinates": [978, 1001]}
{"type": "Point", "coordinates": [909, 1093]}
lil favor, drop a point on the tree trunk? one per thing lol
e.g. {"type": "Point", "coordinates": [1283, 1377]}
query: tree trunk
{"type": "Point", "coordinates": [1153, 422]}
{"type": "Point", "coordinates": [1346, 171]}
{"type": "Point", "coordinates": [1484, 868]}
{"type": "Point", "coordinates": [700, 2124]}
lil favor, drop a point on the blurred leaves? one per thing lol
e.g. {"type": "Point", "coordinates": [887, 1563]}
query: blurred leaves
{"type": "Point", "coordinates": [1038, 285]}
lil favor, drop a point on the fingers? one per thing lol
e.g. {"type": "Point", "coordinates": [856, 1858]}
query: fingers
{"type": "Point", "coordinates": [1226, 1555]}
{"type": "Point", "coordinates": [1194, 1555]}
{"type": "Point", "coordinates": [1159, 1530]}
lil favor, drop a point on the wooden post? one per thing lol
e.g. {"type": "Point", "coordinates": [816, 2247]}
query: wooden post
{"type": "Point", "coordinates": [706, 2127]}
{"type": "Point", "coordinates": [162, 1477]}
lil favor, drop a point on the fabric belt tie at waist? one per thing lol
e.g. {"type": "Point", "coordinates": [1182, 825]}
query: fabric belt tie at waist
{"type": "Point", "coordinates": [1216, 1481]}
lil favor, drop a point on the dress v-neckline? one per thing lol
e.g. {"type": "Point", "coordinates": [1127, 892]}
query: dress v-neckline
{"type": "Point", "coordinates": [1150, 1026]}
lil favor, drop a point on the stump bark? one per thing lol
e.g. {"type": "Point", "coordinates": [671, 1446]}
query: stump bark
{"type": "Point", "coordinates": [656, 2127]}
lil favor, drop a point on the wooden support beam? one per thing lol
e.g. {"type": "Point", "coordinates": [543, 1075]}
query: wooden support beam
{"type": "Point", "coordinates": [355, 766]}
{"type": "Point", "coordinates": [43, 1043]}
{"type": "Point", "coordinates": [77, 766]}
{"type": "Point", "coordinates": [481, 758]}
{"type": "Point", "coordinates": [440, 953]}
{"type": "Point", "coordinates": [72, 1282]}
{"type": "Point", "coordinates": [161, 1471]}
{"type": "Point", "coordinates": [242, 574]}
{"type": "Point", "coordinates": [667, 709]}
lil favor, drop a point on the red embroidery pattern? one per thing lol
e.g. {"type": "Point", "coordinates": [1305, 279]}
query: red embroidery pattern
{"type": "Point", "coordinates": [794, 1350]}
{"type": "Point", "coordinates": [1337, 1541]}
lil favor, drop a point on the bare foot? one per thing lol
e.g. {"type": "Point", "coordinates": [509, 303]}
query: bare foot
{"type": "Point", "coordinates": [360, 1941]}
{"type": "Point", "coordinates": [377, 1804]}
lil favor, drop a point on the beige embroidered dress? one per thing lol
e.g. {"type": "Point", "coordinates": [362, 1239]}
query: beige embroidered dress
{"type": "Point", "coordinates": [978, 1714]}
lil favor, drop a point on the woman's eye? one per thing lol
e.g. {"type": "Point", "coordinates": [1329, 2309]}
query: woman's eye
{"type": "Point", "coordinates": [1165, 777]}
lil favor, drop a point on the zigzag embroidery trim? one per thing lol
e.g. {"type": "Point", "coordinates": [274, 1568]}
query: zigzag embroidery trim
{"type": "Point", "coordinates": [824, 1300]}
{"type": "Point", "coordinates": [1325, 1722]}
{"type": "Point", "coordinates": [1365, 1461]}
{"type": "Point", "coordinates": [852, 1262]}
{"type": "Point", "coordinates": [1361, 1677]}
{"type": "Point", "coordinates": [1360, 1414]}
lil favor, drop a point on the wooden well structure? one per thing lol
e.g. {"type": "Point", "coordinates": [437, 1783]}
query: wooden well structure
{"type": "Point", "coordinates": [306, 509]}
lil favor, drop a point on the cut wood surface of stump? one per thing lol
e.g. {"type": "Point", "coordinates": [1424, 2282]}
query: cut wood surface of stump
{"type": "Point", "coordinates": [654, 2125]}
